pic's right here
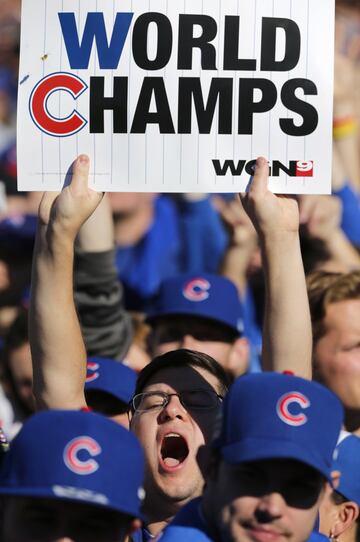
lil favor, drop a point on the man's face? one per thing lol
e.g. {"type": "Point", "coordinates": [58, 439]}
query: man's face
{"type": "Point", "coordinates": [27, 519]}
{"type": "Point", "coordinates": [201, 335]}
{"type": "Point", "coordinates": [266, 501]}
{"type": "Point", "coordinates": [22, 373]}
{"type": "Point", "coordinates": [172, 435]}
{"type": "Point", "coordinates": [337, 352]}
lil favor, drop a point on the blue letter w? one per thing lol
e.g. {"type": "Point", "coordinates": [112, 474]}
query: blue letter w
{"type": "Point", "coordinates": [109, 55]}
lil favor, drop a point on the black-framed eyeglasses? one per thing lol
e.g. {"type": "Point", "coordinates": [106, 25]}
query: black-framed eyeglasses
{"type": "Point", "coordinates": [190, 399]}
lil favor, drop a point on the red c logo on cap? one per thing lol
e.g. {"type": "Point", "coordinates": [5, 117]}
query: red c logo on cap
{"type": "Point", "coordinates": [91, 366]}
{"type": "Point", "coordinates": [71, 455]}
{"type": "Point", "coordinates": [197, 290]}
{"type": "Point", "coordinates": [282, 408]}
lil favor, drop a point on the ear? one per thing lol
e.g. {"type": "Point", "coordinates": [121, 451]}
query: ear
{"type": "Point", "coordinates": [238, 361]}
{"type": "Point", "coordinates": [347, 516]}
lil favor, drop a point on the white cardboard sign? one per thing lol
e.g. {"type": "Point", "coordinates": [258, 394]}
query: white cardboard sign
{"type": "Point", "coordinates": [176, 96]}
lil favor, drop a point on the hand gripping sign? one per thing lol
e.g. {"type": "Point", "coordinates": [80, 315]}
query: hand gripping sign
{"type": "Point", "coordinates": [176, 96]}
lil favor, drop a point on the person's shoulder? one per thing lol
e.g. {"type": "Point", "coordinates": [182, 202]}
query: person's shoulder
{"type": "Point", "coordinates": [187, 525]}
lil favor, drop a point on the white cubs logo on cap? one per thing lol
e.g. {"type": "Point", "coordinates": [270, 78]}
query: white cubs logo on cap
{"type": "Point", "coordinates": [83, 466]}
{"type": "Point", "coordinates": [197, 290]}
{"type": "Point", "coordinates": [91, 371]}
{"type": "Point", "coordinates": [283, 404]}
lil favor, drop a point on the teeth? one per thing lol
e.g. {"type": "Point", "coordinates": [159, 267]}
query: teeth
{"type": "Point", "coordinates": [172, 435]}
{"type": "Point", "coordinates": [171, 462]}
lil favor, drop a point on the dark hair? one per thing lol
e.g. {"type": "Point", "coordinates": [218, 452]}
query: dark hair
{"type": "Point", "coordinates": [183, 358]}
{"type": "Point", "coordinates": [337, 498]}
{"type": "Point", "coordinates": [314, 251]}
{"type": "Point", "coordinates": [17, 336]}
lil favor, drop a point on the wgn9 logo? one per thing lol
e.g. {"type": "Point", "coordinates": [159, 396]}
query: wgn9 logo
{"type": "Point", "coordinates": [304, 168]}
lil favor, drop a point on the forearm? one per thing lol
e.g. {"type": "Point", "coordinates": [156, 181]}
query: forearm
{"type": "Point", "coordinates": [234, 267]}
{"type": "Point", "coordinates": [97, 234]}
{"type": "Point", "coordinates": [57, 346]}
{"type": "Point", "coordinates": [287, 340]}
{"type": "Point", "coordinates": [106, 326]}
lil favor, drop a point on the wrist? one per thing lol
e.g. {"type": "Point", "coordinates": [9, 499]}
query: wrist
{"type": "Point", "coordinates": [279, 251]}
{"type": "Point", "coordinates": [53, 239]}
{"type": "Point", "coordinates": [272, 239]}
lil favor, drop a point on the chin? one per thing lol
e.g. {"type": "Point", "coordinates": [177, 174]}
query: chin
{"type": "Point", "coordinates": [179, 492]}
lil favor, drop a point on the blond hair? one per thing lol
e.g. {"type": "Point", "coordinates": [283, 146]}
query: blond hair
{"type": "Point", "coordinates": [325, 288]}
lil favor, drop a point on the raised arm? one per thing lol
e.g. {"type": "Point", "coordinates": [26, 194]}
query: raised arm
{"type": "Point", "coordinates": [57, 346]}
{"type": "Point", "coordinates": [287, 324]}
{"type": "Point", "coordinates": [106, 326]}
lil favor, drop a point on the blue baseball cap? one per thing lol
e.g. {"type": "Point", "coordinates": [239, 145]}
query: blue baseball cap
{"type": "Point", "coordinates": [113, 377]}
{"type": "Point", "coordinates": [347, 461]}
{"type": "Point", "coordinates": [202, 295]}
{"type": "Point", "coordinates": [18, 228]}
{"type": "Point", "coordinates": [76, 456]}
{"type": "Point", "coordinates": [273, 416]}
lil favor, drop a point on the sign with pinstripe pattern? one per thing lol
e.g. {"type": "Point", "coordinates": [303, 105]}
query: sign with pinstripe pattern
{"type": "Point", "coordinates": [176, 96]}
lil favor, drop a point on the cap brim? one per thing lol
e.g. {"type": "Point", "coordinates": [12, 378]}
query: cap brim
{"type": "Point", "coordinates": [47, 493]}
{"type": "Point", "coordinates": [106, 390]}
{"type": "Point", "coordinates": [153, 317]}
{"type": "Point", "coordinates": [261, 449]}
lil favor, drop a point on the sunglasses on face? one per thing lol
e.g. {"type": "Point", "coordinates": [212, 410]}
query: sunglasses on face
{"type": "Point", "coordinates": [190, 400]}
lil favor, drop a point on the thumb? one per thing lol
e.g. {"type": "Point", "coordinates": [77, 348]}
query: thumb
{"type": "Point", "coordinates": [259, 183]}
{"type": "Point", "coordinates": [80, 173]}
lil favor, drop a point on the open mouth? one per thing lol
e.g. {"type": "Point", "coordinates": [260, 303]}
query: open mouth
{"type": "Point", "coordinates": [174, 450]}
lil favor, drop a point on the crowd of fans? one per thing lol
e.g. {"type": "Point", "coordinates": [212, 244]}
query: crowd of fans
{"type": "Point", "coordinates": [196, 357]}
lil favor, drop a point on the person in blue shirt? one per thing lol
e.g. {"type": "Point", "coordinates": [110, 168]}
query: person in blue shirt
{"type": "Point", "coordinates": [271, 460]}
{"type": "Point", "coordinates": [158, 237]}
{"type": "Point", "coordinates": [202, 312]}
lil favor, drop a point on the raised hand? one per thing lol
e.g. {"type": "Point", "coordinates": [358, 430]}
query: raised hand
{"type": "Point", "coordinates": [67, 211]}
{"type": "Point", "coordinates": [321, 215]}
{"type": "Point", "coordinates": [269, 213]}
{"type": "Point", "coordinates": [287, 326]}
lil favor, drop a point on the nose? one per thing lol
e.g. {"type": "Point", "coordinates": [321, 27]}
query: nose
{"type": "Point", "coordinates": [189, 342]}
{"type": "Point", "coordinates": [271, 506]}
{"type": "Point", "coordinates": [174, 409]}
